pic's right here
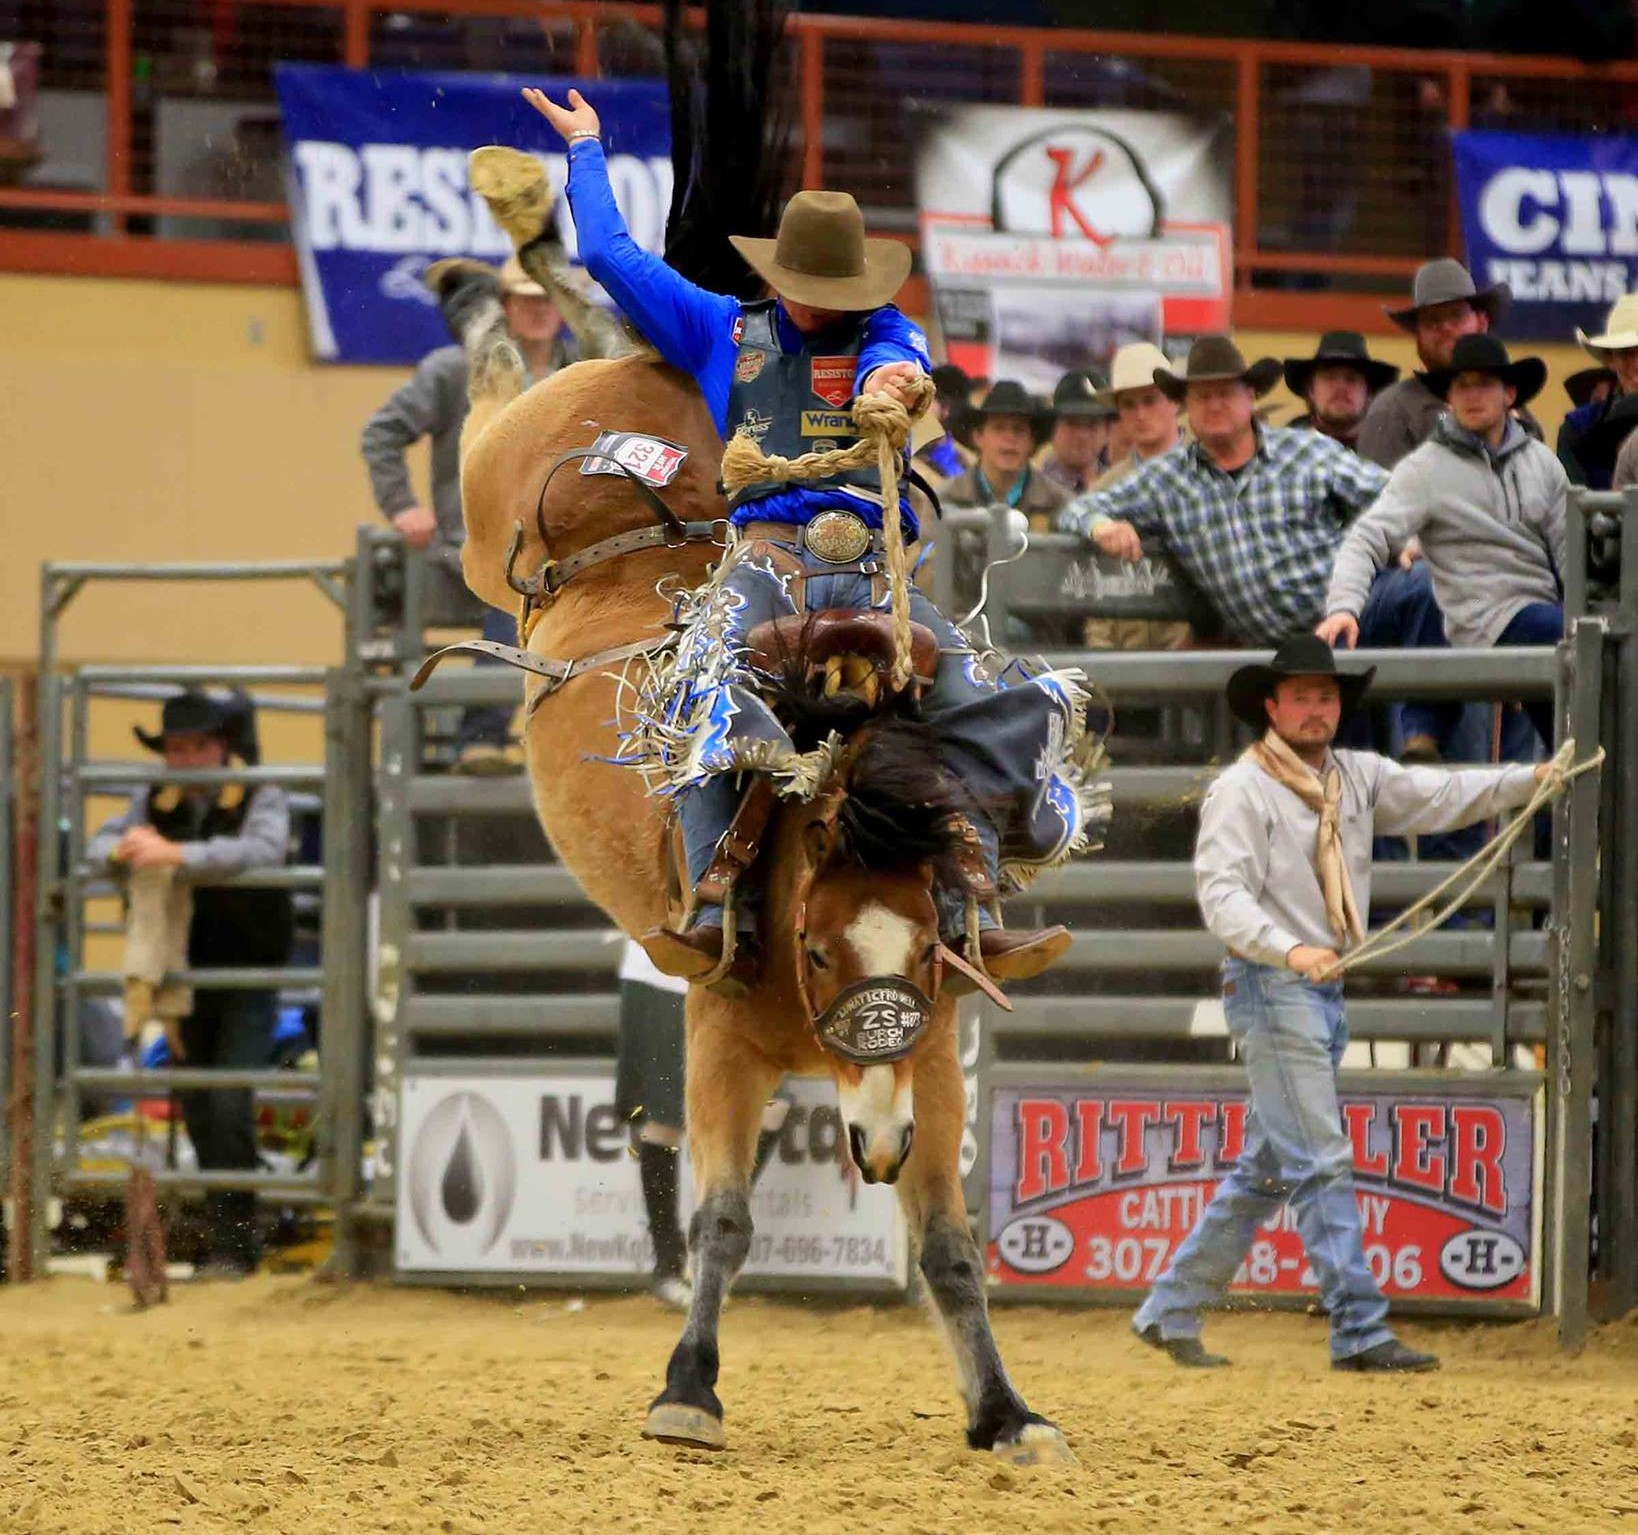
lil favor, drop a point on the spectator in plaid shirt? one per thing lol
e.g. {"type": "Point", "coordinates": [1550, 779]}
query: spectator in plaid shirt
{"type": "Point", "coordinates": [1254, 515]}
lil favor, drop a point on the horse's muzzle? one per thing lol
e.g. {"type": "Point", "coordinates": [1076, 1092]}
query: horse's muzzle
{"type": "Point", "coordinates": [875, 1173]}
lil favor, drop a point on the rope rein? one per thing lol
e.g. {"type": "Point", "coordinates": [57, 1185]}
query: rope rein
{"type": "Point", "coordinates": [883, 424]}
{"type": "Point", "coordinates": [1482, 864]}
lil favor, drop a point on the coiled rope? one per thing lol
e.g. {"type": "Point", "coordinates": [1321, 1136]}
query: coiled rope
{"type": "Point", "coordinates": [883, 424]}
{"type": "Point", "coordinates": [1562, 771]}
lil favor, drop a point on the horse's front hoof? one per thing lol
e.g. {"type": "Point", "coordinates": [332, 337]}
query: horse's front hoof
{"type": "Point", "coordinates": [678, 1423]}
{"type": "Point", "coordinates": [1035, 1444]}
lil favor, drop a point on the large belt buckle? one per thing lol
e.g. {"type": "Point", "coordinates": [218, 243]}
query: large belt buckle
{"type": "Point", "coordinates": [837, 537]}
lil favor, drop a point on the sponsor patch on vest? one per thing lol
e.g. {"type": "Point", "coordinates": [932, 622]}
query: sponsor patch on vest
{"type": "Point", "coordinates": [652, 459]}
{"type": "Point", "coordinates": [831, 378]}
{"type": "Point", "coordinates": [748, 364]}
{"type": "Point", "coordinates": [755, 425]}
{"type": "Point", "coordinates": [738, 329]}
{"type": "Point", "coordinates": [827, 423]}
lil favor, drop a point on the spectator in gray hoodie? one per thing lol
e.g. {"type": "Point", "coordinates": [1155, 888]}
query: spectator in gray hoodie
{"type": "Point", "coordinates": [433, 405]}
{"type": "Point", "coordinates": [1487, 503]}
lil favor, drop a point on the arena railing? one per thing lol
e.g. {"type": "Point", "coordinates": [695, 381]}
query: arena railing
{"type": "Point", "coordinates": [1349, 185]}
{"type": "Point", "coordinates": [336, 789]}
{"type": "Point", "coordinates": [9, 801]}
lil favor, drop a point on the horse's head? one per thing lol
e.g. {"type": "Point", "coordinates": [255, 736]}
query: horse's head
{"type": "Point", "coordinates": [877, 842]}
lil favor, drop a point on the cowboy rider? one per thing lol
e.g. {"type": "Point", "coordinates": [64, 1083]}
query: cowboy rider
{"type": "Point", "coordinates": [785, 372]}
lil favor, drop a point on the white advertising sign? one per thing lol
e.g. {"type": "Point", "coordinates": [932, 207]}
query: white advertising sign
{"type": "Point", "coordinates": [504, 1174]}
{"type": "Point", "coordinates": [1052, 238]}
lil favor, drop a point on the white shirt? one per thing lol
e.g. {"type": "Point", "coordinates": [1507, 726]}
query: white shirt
{"type": "Point", "coordinates": [1254, 861]}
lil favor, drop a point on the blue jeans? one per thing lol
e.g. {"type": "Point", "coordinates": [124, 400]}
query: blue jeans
{"type": "Point", "coordinates": [1401, 612]}
{"type": "Point", "coordinates": [1536, 623]}
{"type": "Point", "coordinates": [487, 723]}
{"type": "Point", "coordinates": [1291, 1035]}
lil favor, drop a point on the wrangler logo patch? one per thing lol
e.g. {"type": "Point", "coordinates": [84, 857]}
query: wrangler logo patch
{"type": "Point", "coordinates": [827, 423]}
{"type": "Point", "coordinates": [831, 378]}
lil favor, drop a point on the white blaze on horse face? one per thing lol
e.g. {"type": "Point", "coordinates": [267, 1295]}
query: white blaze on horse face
{"type": "Point", "coordinates": [882, 940]}
{"type": "Point", "coordinates": [880, 1106]}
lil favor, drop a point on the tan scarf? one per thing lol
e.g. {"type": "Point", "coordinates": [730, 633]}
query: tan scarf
{"type": "Point", "coordinates": [1324, 797]}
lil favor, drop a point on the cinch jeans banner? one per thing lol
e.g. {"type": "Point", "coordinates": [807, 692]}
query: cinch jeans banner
{"type": "Point", "coordinates": [376, 168]}
{"type": "Point", "coordinates": [1556, 219]}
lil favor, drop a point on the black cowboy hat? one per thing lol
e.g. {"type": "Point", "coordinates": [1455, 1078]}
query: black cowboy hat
{"type": "Point", "coordinates": [1339, 349]}
{"type": "Point", "coordinates": [1581, 385]}
{"type": "Point", "coordinates": [951, 383]}
{"type": "Point", "coordinates": [1007, 397]}
{"type": "Point", "coordinates": [1215, 359]}
{"type": "Point", "coordinates": [1443, 282]}
{"type": "Point", "coordinates": [1303, 655]}
{"type": "Point", "coordinates": [192, 711]}
{"type": "Point", "coordinates": [1484, 353]}
{"type": "Point", "coordinates": [1085, 395]}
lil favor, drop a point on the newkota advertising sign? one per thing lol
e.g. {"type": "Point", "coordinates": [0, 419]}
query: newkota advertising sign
{"type": "Point", "coordinates": [1053, 238]}
{"type": "Point", "coordinates": [511, 1176]}
{"type": "Point", "coordinates": [376, 171]}
{"type": "Point", "coordinates": [1093, 1184]}
{"type": "Point", "coordinates": [1556, 219]}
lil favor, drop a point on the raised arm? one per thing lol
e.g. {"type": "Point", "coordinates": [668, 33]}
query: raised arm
{"type": "Point", "coordinates": [679, 319]}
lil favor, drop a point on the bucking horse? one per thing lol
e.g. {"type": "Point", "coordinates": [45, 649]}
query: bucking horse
{"type": "Point", "coordinates": [593, 506]}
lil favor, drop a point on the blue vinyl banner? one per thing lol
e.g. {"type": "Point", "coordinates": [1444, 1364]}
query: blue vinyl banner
{"type": "Point", "coordinates": [1556, 219]}
{"type": "Point", "coordinates": [376, 171]}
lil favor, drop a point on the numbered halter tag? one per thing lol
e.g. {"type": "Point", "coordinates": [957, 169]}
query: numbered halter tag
{"type": "Point", "coordinates": [652, 459]}
{"type": "Point", "coordinates": [875, 1020]}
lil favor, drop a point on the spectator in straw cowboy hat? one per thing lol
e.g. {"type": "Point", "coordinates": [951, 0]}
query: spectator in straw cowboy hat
{"type": "Point", "coordinates": [1150, 426]}
{"type": "Point", "coordinates": [433, 405]}
{"type": "Point", "coordinates": [1444, 306]}
{"type": "Point", "coordinates": [1082, 415]}
{"type": "Point", "coordinates": [1487, 503]}
{"type": "Point", "coordinates": [1337, 384]}
{"type": "Point", "coordinates": [1592, 433]}
{"type": "Point", "coordinates": [1005, 428]}
{"type": "Point", "coordinates": [1252, 514]}
{"type": "Point", "coordinates": [169, 847]}
{"type": "Point", "coordinates": [1282, 870]}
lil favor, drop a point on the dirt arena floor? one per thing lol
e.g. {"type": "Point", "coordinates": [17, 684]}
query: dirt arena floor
{"type": "Point", "coordinates": [283, 1405]}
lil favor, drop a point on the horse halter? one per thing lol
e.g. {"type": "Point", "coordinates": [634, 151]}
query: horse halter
{"type": "Point", "coordinates": [872, 1021]}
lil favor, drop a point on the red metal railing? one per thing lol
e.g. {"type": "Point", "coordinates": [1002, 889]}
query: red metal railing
{"type": "Point", "coordinates": [1340, 168]}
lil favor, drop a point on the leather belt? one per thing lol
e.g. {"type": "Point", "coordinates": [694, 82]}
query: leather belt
{"type": "Point", "coordinates": [794, 533]}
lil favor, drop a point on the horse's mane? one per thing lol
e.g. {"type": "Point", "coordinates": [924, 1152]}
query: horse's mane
{"type": "Point", "coordinates": [730, 139]}
{"type": "Point", "coordinates": [903, 805]}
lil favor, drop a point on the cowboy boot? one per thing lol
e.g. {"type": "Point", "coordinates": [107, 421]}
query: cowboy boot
{"type": "Point", "coordinates": [1004, 954]}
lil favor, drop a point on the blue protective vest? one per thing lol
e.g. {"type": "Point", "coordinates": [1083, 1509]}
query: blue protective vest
{"type": "Point", "coordinates": [793, 403]}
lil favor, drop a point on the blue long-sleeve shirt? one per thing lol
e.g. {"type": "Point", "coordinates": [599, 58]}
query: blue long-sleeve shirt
{"type": "Point", "coordinates": [697, 331]}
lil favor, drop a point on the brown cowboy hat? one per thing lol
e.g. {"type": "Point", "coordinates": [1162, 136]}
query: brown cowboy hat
{"type": "Point", "coordinates": [1443, 282]}
{"type": "Point", "coordinates": [821, 256]}
{"type": "Point", "coordinates": [1339, 349]}
{"type": "Point", "coordinates": [1303, 655]}
{"type": "Point", "coordinates": [1215, 359]}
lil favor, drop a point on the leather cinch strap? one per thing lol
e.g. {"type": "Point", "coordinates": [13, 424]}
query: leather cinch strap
{"type": "Point", "coordinates": [556, 672]}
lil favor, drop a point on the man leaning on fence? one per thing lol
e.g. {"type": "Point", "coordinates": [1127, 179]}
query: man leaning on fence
{"type": "Point", "coordinates": [1252, 514]}
{"type": "Point", "coordinates": [433, 405]}
{"type": "Point", "coordinates": [1486, 502]}
{"type": "Point", "coordinates": [167, 848]}
{"type": "Point", "coordinates": [1283, 873]}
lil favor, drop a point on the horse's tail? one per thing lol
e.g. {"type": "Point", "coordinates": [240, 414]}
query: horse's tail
{"type": "Point", "coordinates": [730, 139]}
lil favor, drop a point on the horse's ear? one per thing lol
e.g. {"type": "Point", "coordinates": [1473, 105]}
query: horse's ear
{"type": "Point", "coordinates": [817, 839]}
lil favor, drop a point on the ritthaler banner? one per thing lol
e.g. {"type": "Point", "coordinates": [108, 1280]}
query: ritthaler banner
{"type": "Point", "coordinates": [504, 1177]}
{"type": "Point", "coordinates": [1093, 1188]}
{"type": "Point", "coordinates": [376, 174]}
{"type": "Point", "coordinates": [1556, 219]}
{"type": "Point", "coordinates": [1052, 238]}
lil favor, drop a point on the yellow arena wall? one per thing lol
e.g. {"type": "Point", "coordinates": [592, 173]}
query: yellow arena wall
{"type": "Point", "coordinates": [152, 421]}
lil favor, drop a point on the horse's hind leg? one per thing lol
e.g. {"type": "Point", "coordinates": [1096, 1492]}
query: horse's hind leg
{"type": "Point", "coordinates": [727, 1086]}
{"type": "Point", "coordinates": [514, 186]}
{"type": "Point", "coordinates": [929, 1189]}
{"type": "Point", "coordinates": [468, 293]}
